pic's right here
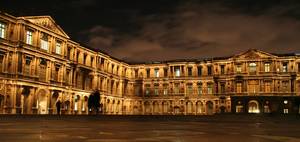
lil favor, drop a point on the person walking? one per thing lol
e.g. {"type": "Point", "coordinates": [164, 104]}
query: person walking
{"type": "Point", "coordinates": [58, 104]}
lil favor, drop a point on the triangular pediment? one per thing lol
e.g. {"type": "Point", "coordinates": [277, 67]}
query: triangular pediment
{"type": "Point", "coordinates": [254, 54]}
{"type": "Point", "coordinates": [47, 22]}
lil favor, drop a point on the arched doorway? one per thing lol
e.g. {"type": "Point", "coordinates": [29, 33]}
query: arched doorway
{"type": "Point", "coordinates": [199, 107]}
{"type": "Point", "coordinates": [253, 107]}
{"type": "Point", "coordinates": [42, 102]}
{"type": "Point", "coordinates": [209, 108]}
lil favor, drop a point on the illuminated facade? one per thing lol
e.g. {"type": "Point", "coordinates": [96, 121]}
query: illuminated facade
{"type": "Point", "coordinates": [40, 64]}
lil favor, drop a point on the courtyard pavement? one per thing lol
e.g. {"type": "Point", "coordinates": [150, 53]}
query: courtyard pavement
{"type": "Point", "coordinates": [218, 128]}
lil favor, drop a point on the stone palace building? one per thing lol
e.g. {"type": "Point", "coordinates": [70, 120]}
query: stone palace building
{"type": "Point", "coordinates": [40, 64]}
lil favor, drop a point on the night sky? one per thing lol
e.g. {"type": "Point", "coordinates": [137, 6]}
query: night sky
{"type": "Point", "coordinates": [156, 30]}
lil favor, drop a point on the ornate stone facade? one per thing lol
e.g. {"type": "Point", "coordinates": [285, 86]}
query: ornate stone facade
{"type": "Point", "coordinates": [40, 64]}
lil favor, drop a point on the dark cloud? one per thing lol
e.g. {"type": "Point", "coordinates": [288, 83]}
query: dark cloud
{"type": "Point", "coordinates": [201, 30]}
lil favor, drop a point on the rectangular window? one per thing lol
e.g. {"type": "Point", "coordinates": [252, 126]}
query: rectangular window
{"type": "Point", "coordinates": [58, 47]}
{"type": "Point", "coordinates": [2, 30]}
{"type": "Point", "coordinates": [165, 72]}
{"type": "Point", "coordinates": [209, 71]}
{"type": "Point", "coordinates": [189, 89]}
{"type": "Point", "coordinates": [176, 89]}
{"type": "Point", "coordinates": [253, 86]}
{"type": "Point", "coordinates": [148, 73]}
{"type": "Point", "coordinates": [209, 88]}
{"type": "Point", "coordinates": [199, 68]}
{"type": "Point", "coordinates": [190, 71]}
{"type": "Point", "coordinates": [222, 69]}
{"type": "Point", "coordinates": [136, 73]}
{"type": "Point", "coordinates": [267, 87]}
{"type": "Point", "coordinates": [177, 71]}
{"type": "Point", "coordinates": [1, 62]}
{"type": "Point", "coordinates": [199, 86]}
{"type": "Point", "coordinates": [156, 72]}
{"type": "Point", "coordinates": [284, 67]}
{"type": "Point", "coordinates": [44, 42]}
{"type": "Point", "coordinates": [165, 89]}
{"type": "Point", "coordinates": [252, 67]}
{"type": "Point", "coordinates": [156, 89]}
{"type": "Point", "coordinates": [239, 87]}
{"type": "Point", "coordinates": [222, 87]}
{"type": "Point", "coordinates": [267, 67]}
{"type": "Point", "coordinates": [27, 65]}
{"type": "Point", "coordinates": [29, 38]}
{"type": "Point", "coordinates": [238, 69]}
{"type": "Point", "coordinates": [147, 89]}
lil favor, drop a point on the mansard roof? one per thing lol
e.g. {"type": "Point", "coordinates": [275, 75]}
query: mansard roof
{"type": "Point", "coordinates": [48, 23]}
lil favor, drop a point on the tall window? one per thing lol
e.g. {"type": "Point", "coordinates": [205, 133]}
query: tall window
{"type": "Point", "coordinates": [58, 47]}
{"type": "Point", "coordinates": [222, 87]}
{"type": "Point", "coordinates": [27, 65]}
{"type": "Point", "coordinates": [239, 87]}
{"type": "Point", "coordinates": [165, 72]}
{"type": "Point", "coordinates": [267, 86]}
{"type": "Point", "coordinates": [222, 69]}
{"type": "Point", "coordinates": [199, 68]}
{"type": "Point", "coordinates": [199, 86]}
{"type": "Point", "coordinates": [44, 42]}
{"type": "Point", "coordinates": [238, 68]}
{"type": "Point", "coordinates": [165, 89]}
{"type": "Point", "coordinates": [147, 89]}
{"type": "Point", "coordinates": [209, 70]}
{"type": "Point", "coordinates": [253, 86]}
{"type": "Point", "coordinates": [176, 89]}
{"type": "Point", "coordinates": [148, 73]}
{"type": "Point", "coordinates": [284, 67]}
{"type": "Point", "coordinates": [177, 71]}
{"type": "Point", "coordinates": [252, 67]}
{"type": "Point", "coordinates": [156, 91]}
{"type": "Point", "coordinates": [267, 67]}
{"type": "Point", "coordinates": [190, 71]}
{"type": "Point", "coordinates": [2, 30]}
{"type": "Point", "coordinates": [189, 88]}
{"type": "Point", "coordinates": [1, 61]}
{"type": "Point", "coordinates": [209, 88]}
{"type": "Point", "coordinates": [156, 72]}
{"type": "Point", "coordinates": [29, 37]}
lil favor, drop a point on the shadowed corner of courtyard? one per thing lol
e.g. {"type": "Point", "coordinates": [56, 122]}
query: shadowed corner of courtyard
{"type": "Point", "coordinates": [151, 128]}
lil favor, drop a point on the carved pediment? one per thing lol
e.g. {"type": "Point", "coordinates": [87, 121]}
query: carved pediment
{"type": "Point", "coordinates": [254, 54]}
{"type": "Point", "coordinates": [47, 22]}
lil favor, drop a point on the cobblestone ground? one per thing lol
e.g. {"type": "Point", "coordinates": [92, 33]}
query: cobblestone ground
{"type": "Point", "coordinates": [230, 128]}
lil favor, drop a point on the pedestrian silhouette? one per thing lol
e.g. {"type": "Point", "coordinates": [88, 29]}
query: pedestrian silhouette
{"type": "Point", "coordinates": [58, 103]}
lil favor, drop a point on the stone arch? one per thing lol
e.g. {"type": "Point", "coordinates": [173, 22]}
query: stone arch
{"type": "Point", "coordinates": [199, 107]}
{"type": "Point", "coordinates": [209, 107]}
{"type": "Point", "coordinates": [42, 101]}
{"type": "Point", "coordinates": [253, 106]}
{"type": "Point", "coordinates": [177, 110]}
